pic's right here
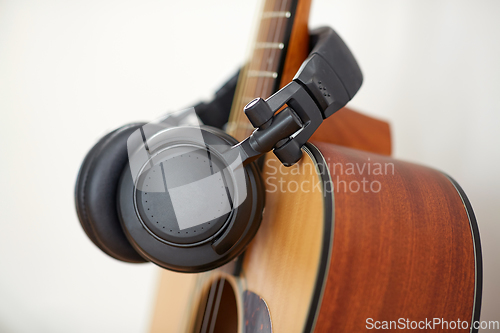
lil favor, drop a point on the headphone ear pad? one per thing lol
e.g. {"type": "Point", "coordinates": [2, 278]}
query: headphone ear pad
{"type": "Point", "coordinates": [96, 194]}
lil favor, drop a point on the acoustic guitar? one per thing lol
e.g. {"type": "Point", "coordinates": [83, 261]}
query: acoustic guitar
{"type": "Point", "coordinates": [351, 239]}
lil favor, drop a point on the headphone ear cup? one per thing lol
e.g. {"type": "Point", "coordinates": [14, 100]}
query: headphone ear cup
{"type": "Point", "coordinates": [150, 218]}
{"type": "Point", "coordinates": [96, 193]}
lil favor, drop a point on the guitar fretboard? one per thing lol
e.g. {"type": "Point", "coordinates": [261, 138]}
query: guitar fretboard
{"type": "Point", "coordinates": [261, 74]}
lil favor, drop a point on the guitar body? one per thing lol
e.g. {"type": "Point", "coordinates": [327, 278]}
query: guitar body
{"type": "Point", "coordinates": [410, 250]}
{"type": "Point", "coordinates": [329, 258]}
{"type": "Point", "coordinates": [348, 235]}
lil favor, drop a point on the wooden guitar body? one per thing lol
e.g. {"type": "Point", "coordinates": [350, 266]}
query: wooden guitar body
{"type": "Point", "coordinates": [349, 237]}
{"type": "Point", "coordinates": [407, 249]}
{"type": "Point", "coordinates": [331, 254]}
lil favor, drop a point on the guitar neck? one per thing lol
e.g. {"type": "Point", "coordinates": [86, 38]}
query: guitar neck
{"type": "Point", "coordinates": [261, 74]}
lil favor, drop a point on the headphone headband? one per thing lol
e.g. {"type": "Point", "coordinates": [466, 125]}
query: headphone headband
{"type": "Point", "coordinates": [325, 82]}
{"type": "Point", "coordinates": [328, 44]}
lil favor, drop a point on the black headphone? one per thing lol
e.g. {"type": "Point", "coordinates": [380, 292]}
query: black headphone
{"type": "Point", "coordinates": [189, 198]}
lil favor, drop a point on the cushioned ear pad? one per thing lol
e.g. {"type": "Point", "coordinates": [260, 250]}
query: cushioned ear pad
{"type": "Point", "coordinates": [95, 194]}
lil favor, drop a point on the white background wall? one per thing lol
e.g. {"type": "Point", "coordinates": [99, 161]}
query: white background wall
{"type": "Point", "coordinates": [72, 70]}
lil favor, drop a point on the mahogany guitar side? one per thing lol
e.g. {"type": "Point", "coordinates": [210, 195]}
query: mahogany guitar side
{"type": "Point", "coordinates": [408, 247]}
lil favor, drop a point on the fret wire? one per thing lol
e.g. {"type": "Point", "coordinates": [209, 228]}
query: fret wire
{"type": "Point", "coordinates": [266, 55]}
{"type": "Point", "coordinates": [269, 45]}
{"type": "Point", "coordinates": [269, 55]}
{"type": "Point", "coordinates": [254, 73]}
{"type": "Point", "coordinates": [277, 36]}
{"type": "Point", "coordinates": [284, 14]}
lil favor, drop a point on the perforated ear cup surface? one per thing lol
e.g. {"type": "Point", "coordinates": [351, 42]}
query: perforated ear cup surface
{"type": "Point", "coordinates": [96, 193]}
{"type": "Point", "coordinates": [158, 239]}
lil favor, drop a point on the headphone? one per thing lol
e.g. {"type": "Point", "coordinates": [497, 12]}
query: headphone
{"type": "Point", "coordinates": [190, 198]}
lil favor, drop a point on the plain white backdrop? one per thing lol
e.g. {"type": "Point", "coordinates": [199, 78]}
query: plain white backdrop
{"type": "Point", "coordinates": [72, 70]}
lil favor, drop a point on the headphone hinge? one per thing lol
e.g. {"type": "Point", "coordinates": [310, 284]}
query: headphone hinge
{"type": "Point", "coordinates": [285, 132]}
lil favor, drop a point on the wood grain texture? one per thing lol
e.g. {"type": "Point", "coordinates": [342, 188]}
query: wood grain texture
{"type": "Point", "coordinates": [352, 129]}
{"type": "Point", "coordinates": [262, 72]}
{"type": "Point", "coordinates": [404, 252]}
{"type": "Point", "coordinates": [275, 267]}
{"type": "Point", "coordinates": [173, 306]}
{"type": "Point", "coordinates": [281, 263]}
{"type": "Point", "coordinates": [298, 46]}
{"type": "Point", "coordinates": [282, 260]}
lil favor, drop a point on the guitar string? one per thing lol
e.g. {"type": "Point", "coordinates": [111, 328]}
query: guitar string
{"type": "Point", "coordinates": [263, 89]}
{"type": "Point", "coordinates": [217, 304]}
{"type": "Point", "coordinates": [244, 129]}
{"type": "Point", "coordinates": [265, 53]}
{"type": "Point", "coordinates": [240, 128]}
{"type": "Point", "coordinates": [257, 62]}
{"type": "Point", "coordinates": [275, 40]}
{"type": "Point", "coordinates": [208, 309]}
